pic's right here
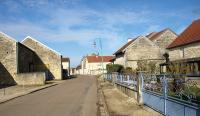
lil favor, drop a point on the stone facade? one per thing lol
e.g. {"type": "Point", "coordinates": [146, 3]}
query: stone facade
{"type": "Point", "coordinates": [15, 61]}
{"type": "Point", "coordinates": [164, 39]}
{"type": "Point", "coordinates": [142, 49]}
{"type": "Point", "coordinates": [185, 52]}
{"type": "Point", "coordinates": [120, 59]}
{"type": "Point", "coordinates": [8, 63]}
{"type": "Point", "coordinates": [31, 78]}
{"type": "Point", "coordinates": [50, 58]}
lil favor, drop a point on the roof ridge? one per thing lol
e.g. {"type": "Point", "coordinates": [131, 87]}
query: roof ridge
{"type": "Point", "coordinates": [9, 37]}
{"type": "Point", "coordinates": [189, 35]}
{"type": "Point", "coordinates": [29, 37]}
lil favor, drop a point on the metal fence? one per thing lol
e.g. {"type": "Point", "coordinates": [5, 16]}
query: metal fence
{"type": "Point", "coordinates": [171, 95]}
{"type": "Point", "coordinates": [128, 80]}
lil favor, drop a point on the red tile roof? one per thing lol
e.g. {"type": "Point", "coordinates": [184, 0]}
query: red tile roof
{"type": "Point", "coordinates": [124, 46]}
{"type": "Point", "coordinates": [188, 36]}
{"type": "Point", "coordinates": [153, 37]}
{"type": "Point", "coordinates": [99, 58]}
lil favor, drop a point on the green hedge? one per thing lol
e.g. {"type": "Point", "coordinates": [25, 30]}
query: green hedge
{"type": "Point", "coordinates": [114, 68]}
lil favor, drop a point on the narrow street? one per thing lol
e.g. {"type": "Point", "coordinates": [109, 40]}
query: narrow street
{"type": "Point", "coordinates": [74, 97]}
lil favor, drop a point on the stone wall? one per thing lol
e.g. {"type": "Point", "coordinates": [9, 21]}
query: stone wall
{"type": "Point", "coordinates": [120, 60]}
{"type": "Point", "coordinates": [49, 58]}
{"type": "Point", "coordinates": [142, 49]}
{"type": "Point", "coordinates": [8, 63]}
{"type": "Point", "coordinates": [166, 38]}
{"type": "Point", "coordinates": [184, 52]}
{"type": "Point", "coordinates": [25, 59]}
{"type": "Point", "coordinates": [34, 78]}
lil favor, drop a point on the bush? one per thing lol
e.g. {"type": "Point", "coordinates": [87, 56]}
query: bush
{"type": "Point", "coordinates": [114, 68]}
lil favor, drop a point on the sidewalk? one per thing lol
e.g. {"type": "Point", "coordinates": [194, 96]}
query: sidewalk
{"type": "Point", "coordinates": [12, 92]}
{"type": "Point", "coordinates": [119, 104]}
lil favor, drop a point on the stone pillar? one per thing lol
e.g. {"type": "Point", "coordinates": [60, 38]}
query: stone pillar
{"type": "Point", "coordinates": [114, 77]}
{"type": "Point", "coordinates": [140, 81]}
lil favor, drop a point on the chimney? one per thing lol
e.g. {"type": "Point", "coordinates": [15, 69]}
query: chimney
{"type": "Point", "coordinates": [129, 39]}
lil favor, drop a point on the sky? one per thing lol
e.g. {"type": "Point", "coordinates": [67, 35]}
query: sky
{"type": "Point", "coordinates": [71, 26]}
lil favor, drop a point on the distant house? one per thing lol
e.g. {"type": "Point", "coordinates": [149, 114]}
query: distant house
{"type": "Point", "coordinates": [95, 64]}
{"type": "Point", "coordinates": [66, 66]}
{"type": "Point", "coordinates": [162, 38]}
{"type": "Point", "coordinates": [17, 63]}
{"type": "Point", "coordinates": [72, 71]}
{"type": "Point", "coordinates": [78, 70]}
{"type": "Point", "coordinates": [138, 49]}
{"type": "Point", "coordinates": [184, 51]}
{"type": "Point", "coordinates": [51, 59]}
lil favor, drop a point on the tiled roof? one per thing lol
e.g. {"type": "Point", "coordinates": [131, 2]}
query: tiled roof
{"type": "Point", "coordinates": [188, 36]}
{"type": "Point", "coordinates": [154, 36]}
{"type": "Point", "coordinates": [65, 59]}
{"type": "Point", "coordinates": [95, 58]}
{"type": "Point", "coordinates": [124, 46]}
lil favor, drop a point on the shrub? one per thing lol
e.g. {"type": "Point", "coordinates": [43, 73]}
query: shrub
{"type": "Point", "coordinates": [114, 68]}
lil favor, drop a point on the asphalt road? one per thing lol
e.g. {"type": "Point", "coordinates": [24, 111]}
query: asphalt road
{"type": "Point", "coordinates": [74, 97]}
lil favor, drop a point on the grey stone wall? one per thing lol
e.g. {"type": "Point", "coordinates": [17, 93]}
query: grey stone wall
{"type": "Point", "coordinates": [184, 52]}
{"type": "Point", "coordinates": [166, 38]}
{"type": "Point", "coordinates": [50, 60]}
{"type": "Point", "coordinates": [8, 63]}
{"type": "Point", "coordinates": [15, 63]}
{"type": "Point", "coordinates": [25, 59]}
{"type": "Point", "coordinates": [142, 49]}
{"type": "Point", "coordinates": [32, 78]}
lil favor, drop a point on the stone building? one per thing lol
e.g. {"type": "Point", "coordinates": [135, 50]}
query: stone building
{"type": "Point", "coordinates": [78, 70]}
{"type": "Point", "coordinates": [187, 44]}
{"type": "Point", "coordinates": [72, 71]}
{"type": "Point", "coordinates": [120, 54]}
{"type": "Point", "coordinates": [95, 64]}
{"type": "Point", "coordinates": [162, 38]}
{"type": "Point", "coordinates": [51, 59]}
{"type": "Point", "coordinates": [141, 49]}
{"type": "Point", "coordinates": [137, 49]}
{"type": "Point", "coordinates": [184, 51]}
{"type": "Point", "coordinates": [66, 66]}
{"type": "Point", "coordinates": [17, 63]}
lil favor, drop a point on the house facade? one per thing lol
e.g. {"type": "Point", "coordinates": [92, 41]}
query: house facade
{"type": "Point", "coordinates": [135, 50]}
{"type": "Point", "coordinates": [187, 44]}
{"type": "Point", "coordinates": [66, 66]}
{"type": "Point", "coordinates": [184, 51]}
{"type": "Point", "coordinates": [141, 49]}
{"type": "Point", "coordinates": [16, 63]}
{"type": "Point", "coordinates": [94, 64]}
{"type": "Point", "coordinates": [51, 59]}
{"type": "Point", "coordinates": [163, 38]}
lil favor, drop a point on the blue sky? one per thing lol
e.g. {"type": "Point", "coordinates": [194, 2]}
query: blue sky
{"type": "Point", "coordinates": [71, 26]}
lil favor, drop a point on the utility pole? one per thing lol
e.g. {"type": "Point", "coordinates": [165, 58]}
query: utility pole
{"type": "Point", "coordinates": [101, 51]}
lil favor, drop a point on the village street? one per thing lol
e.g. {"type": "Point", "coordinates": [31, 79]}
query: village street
{"type": "Point", "coordinates": [74, 97]}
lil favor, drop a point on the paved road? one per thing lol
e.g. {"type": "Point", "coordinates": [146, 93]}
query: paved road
{"type": "Point", "coordinates": [74, 97]}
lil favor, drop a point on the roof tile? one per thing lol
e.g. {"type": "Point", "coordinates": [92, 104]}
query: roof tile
{"type": "Point", "coordinates": [188, 36]}
{"type": "Point", "coordinates": [96, 58]}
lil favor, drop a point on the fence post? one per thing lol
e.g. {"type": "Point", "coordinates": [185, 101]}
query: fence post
{"type": "Point", "coordinates": [165, 95]}
{"type": "Point", "coordinates": [140, 87]}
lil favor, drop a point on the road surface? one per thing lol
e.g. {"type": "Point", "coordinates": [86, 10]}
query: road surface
{"type": "Point", "coordinates": [74, 97]}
